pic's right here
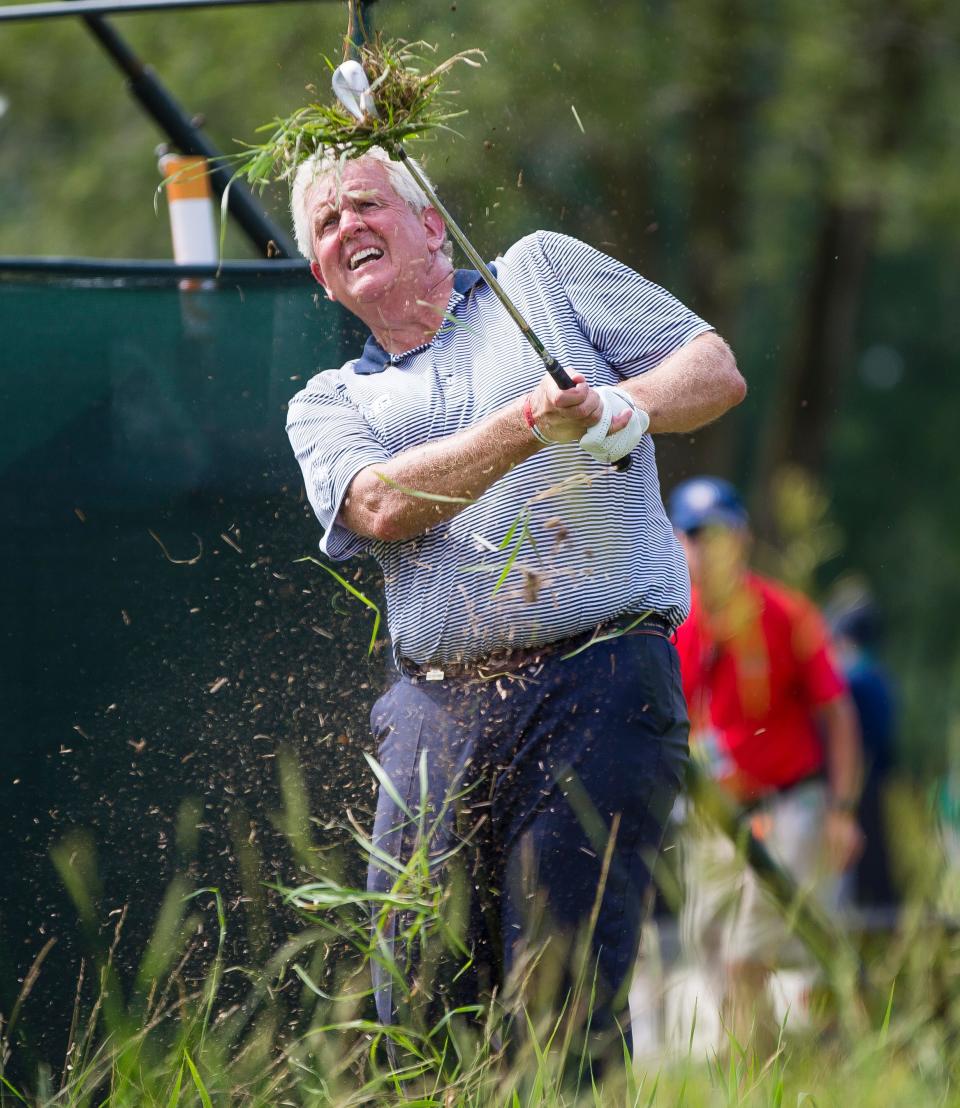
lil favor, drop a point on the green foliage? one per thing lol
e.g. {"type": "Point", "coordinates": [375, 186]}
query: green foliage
{"type": "Point", "coordinates": [807, 538]}
{"type": "Point", "coordinates": [303, 1032]}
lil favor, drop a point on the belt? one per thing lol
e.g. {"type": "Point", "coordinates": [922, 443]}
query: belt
{"type": "Point", "coordinates": [506, 660]}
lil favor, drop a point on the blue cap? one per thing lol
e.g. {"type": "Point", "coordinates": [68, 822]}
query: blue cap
{"type": "Point", "coordinates": [706, 501]}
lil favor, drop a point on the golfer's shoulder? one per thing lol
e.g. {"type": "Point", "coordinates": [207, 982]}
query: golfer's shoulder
{"type": "Point", "coordinates": [565, 258]}
{"type": "Point", "coordinates": [546, 248]}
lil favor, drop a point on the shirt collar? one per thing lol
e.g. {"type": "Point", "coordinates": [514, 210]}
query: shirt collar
{"type": "Point", "coordinates": [375, 359]}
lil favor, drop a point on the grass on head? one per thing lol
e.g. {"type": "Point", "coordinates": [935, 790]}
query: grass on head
{"type": "Point", "coordinates": [408, 96]}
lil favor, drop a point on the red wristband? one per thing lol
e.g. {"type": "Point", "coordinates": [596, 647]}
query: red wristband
{"type": "Point", "coordinates": [532, 424]}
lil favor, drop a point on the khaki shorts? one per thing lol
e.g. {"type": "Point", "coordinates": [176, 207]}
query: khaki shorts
{"type": "Point", "coordinates": [727, 915]}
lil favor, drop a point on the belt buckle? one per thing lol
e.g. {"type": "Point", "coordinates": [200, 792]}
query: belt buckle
{"type": "Point", "coordinates": [434, 673]}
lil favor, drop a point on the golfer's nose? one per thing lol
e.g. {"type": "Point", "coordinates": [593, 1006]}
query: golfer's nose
{"type": "Point", "coordinates": [350, 223]}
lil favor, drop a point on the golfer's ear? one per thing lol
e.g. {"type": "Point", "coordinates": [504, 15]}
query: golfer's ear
{"type": "Point", "coordinates": [433, 223]}
{"type": "Point", "coordinates": [318, 277]}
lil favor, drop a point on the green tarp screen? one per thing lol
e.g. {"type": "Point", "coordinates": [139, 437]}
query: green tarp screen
{"type": "Point", "coordinates": [160, 640]}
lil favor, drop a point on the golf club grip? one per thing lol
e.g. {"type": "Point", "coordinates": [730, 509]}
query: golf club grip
{"type": "Point", "coordinates": [565, 381]}
{"type": "Point", "coordinates": [557, 372]}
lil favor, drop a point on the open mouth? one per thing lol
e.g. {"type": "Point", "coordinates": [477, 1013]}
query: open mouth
{"type": "Point", "coordinates": [362, 257]}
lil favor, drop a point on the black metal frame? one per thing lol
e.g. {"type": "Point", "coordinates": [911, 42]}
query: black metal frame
{"type": "Point", "coordinates": [60, 8]}
{"type": "Point", "coordinates": [159, 103]}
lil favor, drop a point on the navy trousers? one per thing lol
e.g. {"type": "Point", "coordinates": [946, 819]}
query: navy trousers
{"type": "Point", "coordinates": [544, 763]}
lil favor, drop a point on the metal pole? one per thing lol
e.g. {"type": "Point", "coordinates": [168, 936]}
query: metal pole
{"type": "Point", "coordinates": [268, 236]}
{"type": "Point", "coordinates": [349, 81]}
{"type": "Point", "coordinates": [550, 363]}
{"type": "Point", "coordinates": [552, 366]}
{"type": "Point", "coordinates": [56, 9]}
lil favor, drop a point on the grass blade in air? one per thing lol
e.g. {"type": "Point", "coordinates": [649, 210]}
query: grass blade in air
{"type": "Point", "coordinates": [355, 592]}
{"type": "Point", "coordinates": [440, 498]}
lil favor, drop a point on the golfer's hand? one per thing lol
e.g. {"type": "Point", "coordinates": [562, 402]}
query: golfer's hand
{"type": "Point", "coordinates": [563, 415]}
{"type": "Point", "coordinates": [843, 839]}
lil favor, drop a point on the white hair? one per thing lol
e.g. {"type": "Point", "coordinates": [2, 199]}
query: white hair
{"type": "Point", "coordinates": [325, 163]}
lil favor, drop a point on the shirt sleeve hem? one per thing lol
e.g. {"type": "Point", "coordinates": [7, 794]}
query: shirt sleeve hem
{"type": "Point", "coordinates": [339, 542]}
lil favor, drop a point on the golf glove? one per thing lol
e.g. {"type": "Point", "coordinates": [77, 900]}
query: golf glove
{"type": "Point", "coordinates": [610, 448]}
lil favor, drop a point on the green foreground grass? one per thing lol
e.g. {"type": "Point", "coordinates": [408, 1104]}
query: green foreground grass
{"type": "Point", "coordinates": [191, 1029]}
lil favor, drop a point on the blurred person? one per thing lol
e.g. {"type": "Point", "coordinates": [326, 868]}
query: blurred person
{"type": "Point", "coordinates": [858, 632]}
{"type": "Point", "coordinates": [447, 400]}
{"type": "Point", "coordinates": [772, 719]}
{"type": "Point", "coordinates": [945, 813]}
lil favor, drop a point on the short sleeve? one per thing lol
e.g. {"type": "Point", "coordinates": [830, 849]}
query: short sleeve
{"type": "Point", "coordinates": [332, 442]}
{"type": "Point", "coordinates": [819, 672]}
{"type": "Point", "coordinates": [632, 322]}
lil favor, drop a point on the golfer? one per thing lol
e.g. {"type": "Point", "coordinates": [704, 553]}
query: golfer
{"type": "Point", "coordinates": [444, 451]}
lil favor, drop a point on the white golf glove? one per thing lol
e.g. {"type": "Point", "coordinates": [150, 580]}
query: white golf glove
{"type": "Point", "coordinates": [610, 448]}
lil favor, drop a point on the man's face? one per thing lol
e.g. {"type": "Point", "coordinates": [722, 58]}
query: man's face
{"type": "Point", "coordinates": [366, 239]}
{"type": "Point", "coordinates": [716, 556]}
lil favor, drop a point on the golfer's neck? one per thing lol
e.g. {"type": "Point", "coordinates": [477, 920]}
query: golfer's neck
{"type": "Point", "coordinates": [407, 318]}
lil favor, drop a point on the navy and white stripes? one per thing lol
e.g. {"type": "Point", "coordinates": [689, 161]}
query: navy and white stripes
{"type": "Point", "coordinates": [598, 542]}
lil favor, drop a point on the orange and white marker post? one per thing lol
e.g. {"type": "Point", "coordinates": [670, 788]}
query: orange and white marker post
{"type": "Point", "coordinates": [190, 200]}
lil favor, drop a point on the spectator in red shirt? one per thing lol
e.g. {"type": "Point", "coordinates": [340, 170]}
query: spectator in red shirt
{"type": "Point", "coordinates": [771, 715]}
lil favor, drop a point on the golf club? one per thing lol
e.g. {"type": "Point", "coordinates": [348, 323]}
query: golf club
{"type": "Point", "coordinates": [352, 88]}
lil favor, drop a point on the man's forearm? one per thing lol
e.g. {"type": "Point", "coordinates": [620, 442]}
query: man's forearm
{"type": "Point", "coordinates": [692, 387]}
{"type": "Point", "coordinates": [843, 837]}
{"type": "Point", "coordinates": [461, 466]}
{"type": "Point", "coordinates": [844, 755]}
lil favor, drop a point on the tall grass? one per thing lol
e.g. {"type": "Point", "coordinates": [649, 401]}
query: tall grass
{"type": "Point", "coordinates": [187, 1028]}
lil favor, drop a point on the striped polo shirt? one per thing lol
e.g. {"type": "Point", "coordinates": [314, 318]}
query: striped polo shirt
{"type": "Point", "coordinates": [593, 543]}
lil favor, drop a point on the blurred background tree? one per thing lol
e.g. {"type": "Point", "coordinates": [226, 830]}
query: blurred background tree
{"type": "Point", "coordinates": [789, 170]}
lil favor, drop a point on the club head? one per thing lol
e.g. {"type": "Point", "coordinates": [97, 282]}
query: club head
{"type": "Point", "coordinates": [352, 89]}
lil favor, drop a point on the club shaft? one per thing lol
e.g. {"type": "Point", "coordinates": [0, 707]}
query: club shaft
{"type": "Point", "coordinates": [556, 371]}
{"type": "Point", "coordinates": [552, 366]}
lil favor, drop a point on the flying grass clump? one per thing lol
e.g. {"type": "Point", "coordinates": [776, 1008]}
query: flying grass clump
{"type": "Point", "coordinates": [409, 101]}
